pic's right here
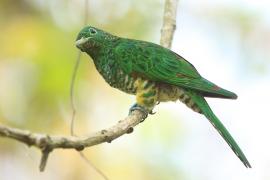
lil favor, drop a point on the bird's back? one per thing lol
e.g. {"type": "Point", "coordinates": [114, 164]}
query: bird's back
{"type": "Point", "coordinates": [159, 64]}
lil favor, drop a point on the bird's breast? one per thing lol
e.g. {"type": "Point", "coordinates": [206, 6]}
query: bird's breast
{"type": "Point", "coordinates": [123, 82]}
{"type": "Point", "coordinates": [116, 77]}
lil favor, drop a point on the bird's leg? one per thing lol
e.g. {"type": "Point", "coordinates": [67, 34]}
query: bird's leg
{"type": "Point", "coordinates": [140, 108]}
{"type": "Point", "coordinates": [146, 96]}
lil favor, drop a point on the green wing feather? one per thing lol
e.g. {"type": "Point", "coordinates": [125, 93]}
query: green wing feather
{"type": "Point", "coordinates": [160, 64]}
{"type": "Point", "coordinates": [206, 110]}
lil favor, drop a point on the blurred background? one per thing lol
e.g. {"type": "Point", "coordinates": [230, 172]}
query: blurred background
{"type": "Point", "coordinates": [227, 41]}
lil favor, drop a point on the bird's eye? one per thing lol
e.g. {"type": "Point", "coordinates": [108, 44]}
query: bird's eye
{"type": "Point", "coordinates": [92, 31]}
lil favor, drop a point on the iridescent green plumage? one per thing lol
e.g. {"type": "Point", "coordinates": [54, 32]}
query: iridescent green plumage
{"type": "Point", "coordinates": [154, 74]}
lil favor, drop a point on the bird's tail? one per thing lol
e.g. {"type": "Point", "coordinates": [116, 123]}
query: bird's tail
{"type": "Point", "coordinates": [206, 110]}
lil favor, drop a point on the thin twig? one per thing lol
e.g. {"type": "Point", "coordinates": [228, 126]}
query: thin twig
{"type": "Point", "coordinates": [89, 163]}
{"type": "Point", "coordinates": [74, 74]}
{"type": "Point", "coordinates": [73, 107]}
{"type": "Point", "coordinates": [78, 60]}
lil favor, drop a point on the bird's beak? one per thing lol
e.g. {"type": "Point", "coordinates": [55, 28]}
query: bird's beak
{"type": "Point", "coordinates": [79, 43]}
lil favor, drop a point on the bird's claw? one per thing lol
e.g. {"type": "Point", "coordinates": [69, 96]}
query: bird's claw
{"type": "Point", "coordinates": [152, 113]}
{"type": "Point", "coordinates": [139, 108]}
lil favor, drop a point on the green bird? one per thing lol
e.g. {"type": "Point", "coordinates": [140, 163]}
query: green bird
{"type": "Point", "coordinates": [154, 74]}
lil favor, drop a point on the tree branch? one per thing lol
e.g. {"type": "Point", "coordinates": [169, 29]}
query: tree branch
{"type": "Point", "coordinates": [169, 23]}
{"type": "Point", "coordinates": [47, 143]}
{"type": "Point", "coordinates": [44, 141]}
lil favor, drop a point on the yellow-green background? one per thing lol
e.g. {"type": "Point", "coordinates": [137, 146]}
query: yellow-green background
{"type": "Point", "coordinates": [228, 42]}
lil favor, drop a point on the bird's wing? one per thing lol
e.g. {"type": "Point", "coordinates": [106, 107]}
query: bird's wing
{"type": "Point", "coordinates": [163, 65]}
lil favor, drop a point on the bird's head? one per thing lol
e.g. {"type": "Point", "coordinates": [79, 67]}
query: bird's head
{"type": "Point", "coordinates": [91, 39]}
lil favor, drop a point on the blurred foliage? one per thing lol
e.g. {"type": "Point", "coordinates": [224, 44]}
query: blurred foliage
{"type": "Point", "coordinates": [47, 51]}
{"type": "Point", "coordinates": [250, 32]}
{"type": "Point", "coordinates": [37, 55]}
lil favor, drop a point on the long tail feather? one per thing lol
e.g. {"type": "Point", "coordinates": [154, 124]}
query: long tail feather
{"type": "Point", "coordinates": [206, 110]}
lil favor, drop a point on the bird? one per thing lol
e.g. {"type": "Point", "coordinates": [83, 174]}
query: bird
{"type": "Point", "coordinates": [153, 74]}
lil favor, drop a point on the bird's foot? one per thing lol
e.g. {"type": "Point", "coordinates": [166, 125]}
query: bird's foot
{"type": "Point", "coordinates": [140, 108]}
